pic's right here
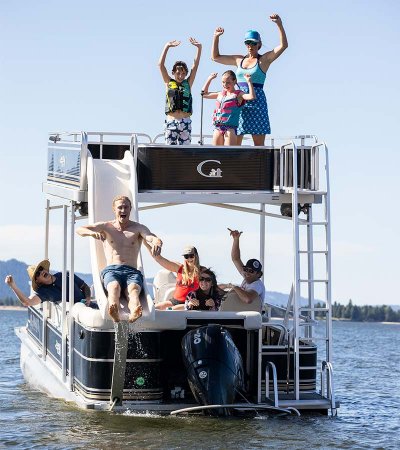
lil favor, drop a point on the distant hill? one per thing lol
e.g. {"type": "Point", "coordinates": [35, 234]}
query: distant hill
{"type": "Point", "coordinates": [18, 270]}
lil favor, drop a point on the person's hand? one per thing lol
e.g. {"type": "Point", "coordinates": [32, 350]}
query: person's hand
{"type": "Point", "coordinates": [210, 302]}
{"type": "Point", "coordinates": [173, 43]}
{"type": "Point", "coordinates": [194, 42]}
{"type": "Point", "coordinates": [247, 76]}
{"type": "Point", "coordinates": [276, 19]}
{"type": "Point", "coordinates": [156, 248]}
{"type": "Point", "coordinates": [235, 233]}
{"type": "Point", "coordinates": [219, 31]}
{"type": "Point", "coordinates": [194, 302]}
{"type": "Point", "coordinates": [100, 235]}
{"type": "Point", "coordinates": [87, 302]}
{"type": "Point", "coordinates": [9, 280]}
{"type": "Point", "coordinates": [213, 75]}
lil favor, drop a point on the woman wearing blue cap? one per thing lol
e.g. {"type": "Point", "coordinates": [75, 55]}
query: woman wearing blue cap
{"type": "Point", "coordinates": [254, 118]}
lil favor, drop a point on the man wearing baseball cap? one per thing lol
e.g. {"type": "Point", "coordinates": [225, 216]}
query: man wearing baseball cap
{"type": "Point", "coordinates": [252, 288]}
{"type": "Point", "coordinates": [48, 287]}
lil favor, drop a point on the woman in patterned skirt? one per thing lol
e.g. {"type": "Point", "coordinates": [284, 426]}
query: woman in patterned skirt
{"type": "Point", "coordinates": [254, 118]}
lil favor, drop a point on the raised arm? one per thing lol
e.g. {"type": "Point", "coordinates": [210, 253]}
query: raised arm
{"type": "Point", "coordinates": [251, 95]}
{"type": "Point", "coordinates": [196, 61]}
{"type": "Point", "coordinates": [205, 92]}
{"type": "Point", "coordinates": [235, 253]}
{"type": "Point", "coordinates": [270, 56]}
{"type": "Point", "coordinates": [96, 231]}
{"type": "Point", "coordinates": [161, 61]}
{"type": "Point", "coordinates": [26, 301]}
{"type": "Point", "coordinates": [229, 60]}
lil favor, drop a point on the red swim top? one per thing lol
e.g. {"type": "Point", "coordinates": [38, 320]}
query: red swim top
{"type": "Point", "coordinates": [182, 290]}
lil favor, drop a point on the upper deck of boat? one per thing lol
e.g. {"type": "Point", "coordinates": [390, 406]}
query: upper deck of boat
{"type": "Point", "coordinates": [193, 173]}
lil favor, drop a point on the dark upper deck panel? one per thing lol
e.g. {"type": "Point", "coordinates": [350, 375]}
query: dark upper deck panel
{"type": "Point", "coordinates": [193, 168]}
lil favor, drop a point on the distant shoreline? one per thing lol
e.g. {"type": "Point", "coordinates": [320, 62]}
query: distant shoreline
{"type": "Point", "coordinates": [12, 308]}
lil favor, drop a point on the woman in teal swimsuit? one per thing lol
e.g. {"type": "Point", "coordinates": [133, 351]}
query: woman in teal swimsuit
{"type": "Point", "coordinates": [254, 118]}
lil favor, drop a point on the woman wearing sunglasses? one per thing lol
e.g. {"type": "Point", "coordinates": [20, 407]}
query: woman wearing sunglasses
{"type": "Point", "coordinates": [208, 296]}
{"type": "Point", "coordinates": [253, 118]}
{"type": "Point", "coordinates": [187, 277]}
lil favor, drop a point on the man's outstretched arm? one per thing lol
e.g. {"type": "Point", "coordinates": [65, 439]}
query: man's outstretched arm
{"type": "Point", "coordinates": [26, 301]}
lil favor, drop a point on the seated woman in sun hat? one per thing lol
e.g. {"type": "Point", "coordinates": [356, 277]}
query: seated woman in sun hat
{"type": "Point", "coordinates": [187, 277]}
{"type": "Point", "coordinates": [48, 287]}
{"type": "Point", "coordinates": [253, 118]}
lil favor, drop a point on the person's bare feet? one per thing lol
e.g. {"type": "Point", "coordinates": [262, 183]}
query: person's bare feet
{"type": "Point", "coordinates": [114, 313]}
{"type": "Point", "coordinates": [135, 314]}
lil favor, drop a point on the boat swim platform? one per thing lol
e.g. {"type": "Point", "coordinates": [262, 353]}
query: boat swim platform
{"type": "Point", "coordinates": [203, 174]}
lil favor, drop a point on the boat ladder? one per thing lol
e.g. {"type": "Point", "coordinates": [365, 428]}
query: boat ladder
{"type": "Point", "coordinates": [304, 230]}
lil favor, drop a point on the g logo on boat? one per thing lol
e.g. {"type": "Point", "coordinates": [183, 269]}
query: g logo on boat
{"type": "Point", "coordinates": [214, 173]}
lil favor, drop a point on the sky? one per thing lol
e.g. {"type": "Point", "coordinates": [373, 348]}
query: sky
{"type": "Point", "coordinates": [92, 65]}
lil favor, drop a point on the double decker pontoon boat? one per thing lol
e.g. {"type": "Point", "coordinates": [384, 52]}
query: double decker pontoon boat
{"type": "Point", "coordinates": [218, 362]}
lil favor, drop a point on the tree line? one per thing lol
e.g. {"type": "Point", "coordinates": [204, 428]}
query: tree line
{"type": "Point", "coordinates": [366, 313]}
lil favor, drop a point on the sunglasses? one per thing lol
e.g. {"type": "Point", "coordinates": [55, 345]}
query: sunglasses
{"type": "Point", "coordinates": [252, 43]}
{"type": "Point", "coordinates": [248, 270]}
{"type": "Point", "coordinates": [208, 280]}
{"type": "Point", "coordinates": [190, 255]}
{"type": "Point", "coordinates": [38, 272]}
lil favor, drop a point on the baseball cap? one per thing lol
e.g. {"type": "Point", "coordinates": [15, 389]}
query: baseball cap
{"type": "Point", "coordinates": [189, 250]}
{"type": "Point", "coordinates": [253, 36]}
{"type": "Point", "coordinates": [254, 264]}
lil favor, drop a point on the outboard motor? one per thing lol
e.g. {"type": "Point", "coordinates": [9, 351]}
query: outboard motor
{"type": "Point", "coordinates": [214, 367]}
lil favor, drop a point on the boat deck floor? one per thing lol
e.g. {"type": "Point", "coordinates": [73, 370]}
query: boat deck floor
{"type": "Point", "coordinates": [307, 401]}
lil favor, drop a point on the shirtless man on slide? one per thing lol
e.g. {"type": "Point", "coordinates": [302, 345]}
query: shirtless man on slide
{"type": "Point", "coordinates": [122, 239]}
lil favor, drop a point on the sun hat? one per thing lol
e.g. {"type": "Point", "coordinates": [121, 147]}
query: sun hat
{"type": "Point", "coordinates": [253, 36]}
{"type": "Point", "coordinates": [254, 264]}
{"type": "Point", "coordinates": [32, 270]}
{"type": "Point", "coordinates": [189, 250]}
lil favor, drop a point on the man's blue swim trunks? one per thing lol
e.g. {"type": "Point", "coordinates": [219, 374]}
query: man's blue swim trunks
{"type": "Point", "coordinates": [125, 275]}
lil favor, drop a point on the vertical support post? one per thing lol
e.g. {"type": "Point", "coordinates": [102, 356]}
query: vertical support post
{"type": "Point", "coordinates": [46, 238]}
{"type": "Point", "coordinates": [71, 296]}
{"type": "Point", "coordinates": [45, 307]}
{"type": "Point", "coordinates": [64, 297]}
{"type": "Point", "coordinates": [328, 261]}
{"type": "Point", "coordinates": [262, 235]}
{"type": "Point", "coordinates": [296, 275]}
{"type": "Point", "coordinates": [259, 366]}
{"type": "Point", "coordinates": [310, 268]}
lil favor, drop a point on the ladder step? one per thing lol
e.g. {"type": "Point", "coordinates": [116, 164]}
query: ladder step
{"type": "Point", "coordinates": [314, 251]}
{"type": "Point", "coordinates": [313, 281]}
{"type": "Point", "coordinates": [307, 367]}
{"type": "Point", "coordinates": [313, 223]}
{"type": "Point", "coordinates": [316, 338]}
{"type": "Point", "coordinates": [314, 309]}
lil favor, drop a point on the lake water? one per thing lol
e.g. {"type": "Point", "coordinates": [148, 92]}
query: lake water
{"type": "Point", "coordinates": [366, 363]}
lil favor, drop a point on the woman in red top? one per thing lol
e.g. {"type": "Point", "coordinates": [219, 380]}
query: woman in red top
{"type": "Point", "coordinates": [187, 277]}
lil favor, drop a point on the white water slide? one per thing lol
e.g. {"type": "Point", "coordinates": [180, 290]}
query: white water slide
{"type": "Point", "coordinates": [107, 179]}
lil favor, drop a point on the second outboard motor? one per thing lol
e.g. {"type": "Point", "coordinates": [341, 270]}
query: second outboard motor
{"type": "Point", "coordinates": [214, 366]}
